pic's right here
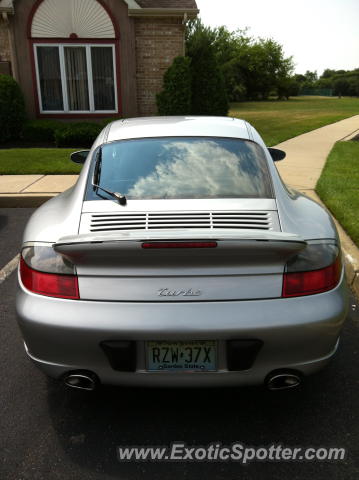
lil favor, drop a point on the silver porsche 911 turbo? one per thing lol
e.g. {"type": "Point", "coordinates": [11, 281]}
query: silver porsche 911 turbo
{"type": "Point", "coordinates": [180, 258]}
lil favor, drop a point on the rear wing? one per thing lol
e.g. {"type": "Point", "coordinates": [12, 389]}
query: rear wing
{"type": "Point", "coordinates": [274, 245]}
{"type": "Point", "coordinates": [179, 235]}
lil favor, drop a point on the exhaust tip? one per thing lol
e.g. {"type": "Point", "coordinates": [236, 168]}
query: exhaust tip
{"type": "Point", "coordinates": [283, 380]}
{"type": "Point", "coordinates": [81, 380]}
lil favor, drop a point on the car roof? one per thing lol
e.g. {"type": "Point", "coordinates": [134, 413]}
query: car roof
{"type": "Point", "coordinates": [186, 126]}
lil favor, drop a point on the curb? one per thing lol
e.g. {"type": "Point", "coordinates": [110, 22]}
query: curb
{"type": "Point", "coordinates": [24, 200]}
{"type": "Point", "coordinates": [352, 272]}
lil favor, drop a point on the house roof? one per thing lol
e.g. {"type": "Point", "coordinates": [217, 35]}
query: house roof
{"type": "Point", "coordinates": [183, 5]}
{"type": "Point", "coordinates": [174, 4]}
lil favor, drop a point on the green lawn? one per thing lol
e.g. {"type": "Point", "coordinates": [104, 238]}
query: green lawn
{"type": "Point", "coordinates": [21, 161]}
{"type": "Point", "coordinates": [338, 186]}
{"type": "Point", "coordinates": [277, 121]}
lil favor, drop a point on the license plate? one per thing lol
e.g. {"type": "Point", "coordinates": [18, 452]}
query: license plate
{"type": "Point", "coordinates": [193, 356]}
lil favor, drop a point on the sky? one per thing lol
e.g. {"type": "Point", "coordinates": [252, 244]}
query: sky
{"type": "Point", "coordinates": [319, 34]}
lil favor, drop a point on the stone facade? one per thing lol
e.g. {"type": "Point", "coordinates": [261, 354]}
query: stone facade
{"type": "Point", "coordinates": [158, 42]}
{"type": "Point", "coordinates": [5, 55]}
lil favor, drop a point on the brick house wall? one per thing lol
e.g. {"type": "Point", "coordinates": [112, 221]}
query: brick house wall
{"type": "Point", "coordinates": [158, 42]}
{"type": "Point", "coordinates": [150, 37]}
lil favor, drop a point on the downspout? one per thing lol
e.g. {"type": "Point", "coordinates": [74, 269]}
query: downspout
{"type": "Point", "coordinates": [184, 21]}
{"type": "Point", "coordinates": [13, 58]}
{"type": "Point", "coordinates": [15, 71]}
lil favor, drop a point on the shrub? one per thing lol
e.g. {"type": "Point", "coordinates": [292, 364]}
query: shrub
{"type": "Point", "coordinates": [44, 130]}
{"type": "Point", "coordinates": [175, 98]}
{"type": "Point", "coordinates": [77, 135]}
{"type": "Point", "coordinates": [209, 95]}
{"type": "Point", "coordinates": [208, 87]}
{"type": "Point", "coordinates": [41, 130]}
{"type": "Point", "coordinates": [12, 109]}
{"type": "Point", "coordinates": [106, 121]}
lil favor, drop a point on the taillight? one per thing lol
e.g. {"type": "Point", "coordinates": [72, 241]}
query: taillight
{"type": "Point", "coordinates": [45, 272]}
{"type": "Point", "coordinates": [316, 269]}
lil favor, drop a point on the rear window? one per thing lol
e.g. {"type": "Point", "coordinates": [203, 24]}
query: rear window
{"type": "Point", "coordinates": [159, 168]}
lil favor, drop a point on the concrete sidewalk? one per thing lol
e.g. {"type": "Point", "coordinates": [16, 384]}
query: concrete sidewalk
{"type": "Point", "coordinates": [32, 190]}
{"type": "Point", "coordinates": [307, 153]}
{"type": "Point", "coordinates": [306, 157]}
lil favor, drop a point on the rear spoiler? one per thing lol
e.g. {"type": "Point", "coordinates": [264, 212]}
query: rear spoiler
{"type": "Point", "coordinates": [179, 235]}
{"type": "Point", "coordinates": [284, 244]}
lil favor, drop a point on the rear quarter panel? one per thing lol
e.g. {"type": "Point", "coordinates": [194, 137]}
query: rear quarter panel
{"type": "Point", "coordinates": [298, 213]}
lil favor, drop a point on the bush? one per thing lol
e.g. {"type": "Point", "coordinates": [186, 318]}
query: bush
{"type": "Point", "coordinates": [208, 87]}
{"type": "Point", "coordinates": [44, 130]}
{"type": "Point", "coordinates": [41, 130]}
{"type": "Point", "coordinates": [12, 109]}
{"type": "Point", "coordinates": [77, 135]}
{"type": "Point", "coordinates": [175, 98]}
{"type": "Point", "coordinates": [106, 121]}
{"type": "Point", "coordinates": [209, 95]}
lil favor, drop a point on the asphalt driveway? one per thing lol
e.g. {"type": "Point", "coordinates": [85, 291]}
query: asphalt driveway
{"type": "Point", "coordinates": [49, 432]}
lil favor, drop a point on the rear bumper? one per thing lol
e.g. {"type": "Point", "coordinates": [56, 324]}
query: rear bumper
{"type": "Point", "coordinates": [222, 378]}
{"type": "Point", "coordinates": [297, 333]}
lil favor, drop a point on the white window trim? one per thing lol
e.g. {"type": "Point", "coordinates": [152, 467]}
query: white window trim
{"type": "Point", "coordinates": [66, 110]}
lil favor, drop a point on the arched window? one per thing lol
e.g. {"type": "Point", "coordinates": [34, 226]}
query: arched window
{"type": "Point", "coordinates": [74, 55]}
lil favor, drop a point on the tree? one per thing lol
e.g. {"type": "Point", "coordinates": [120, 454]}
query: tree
{"type": "Point", "coordinates": [287, 87]}
{"type": "Point", "coordinates": [340, 82]}
{"type": "Point", "coordinates": [311, 77]}
{"type": "Point", "coordinates": [176, 96]}
{"type": "Point", "coordinates": [209, 95]}
{"type": "Point", "coordinates": [234, 80]}
{"type": "Point", "coordinates": [328, 73]}
{"type": "Point", "coordinates": [354, 86]}
{"type": "Point", "coordinates": [252, 68]}
{"type": "Point", "coordinates": [341, 87]}
{"type": "Point", "coordinates": [228, 45]}
{"type": "Point", "coordinates": [324, 82]}
{"type": "Point", "coordinates": [264, 69]}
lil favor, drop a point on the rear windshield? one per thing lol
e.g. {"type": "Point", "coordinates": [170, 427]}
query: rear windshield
{"type": "Point", "coordinates": [159, 168]}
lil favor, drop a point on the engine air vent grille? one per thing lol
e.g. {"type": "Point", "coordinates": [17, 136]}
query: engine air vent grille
{"type": "Point", "coordinates": [180, 220]}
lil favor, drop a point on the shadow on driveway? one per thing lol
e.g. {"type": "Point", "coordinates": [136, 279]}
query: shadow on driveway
{"type": "Point", "coordinates": [322, 412]}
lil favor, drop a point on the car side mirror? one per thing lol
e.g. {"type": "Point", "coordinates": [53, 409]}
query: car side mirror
{"type": "Point", "coordinates": [277, 154]}
{"type": "Point", "coordinates": [79, 157]}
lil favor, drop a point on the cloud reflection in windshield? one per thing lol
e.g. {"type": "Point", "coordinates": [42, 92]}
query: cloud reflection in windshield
{"type": "Point", "coordinates": [203, 169]}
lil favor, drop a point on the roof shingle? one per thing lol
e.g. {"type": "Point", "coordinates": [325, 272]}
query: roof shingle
{"type": "Point", "coordinates": [180, 4]}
